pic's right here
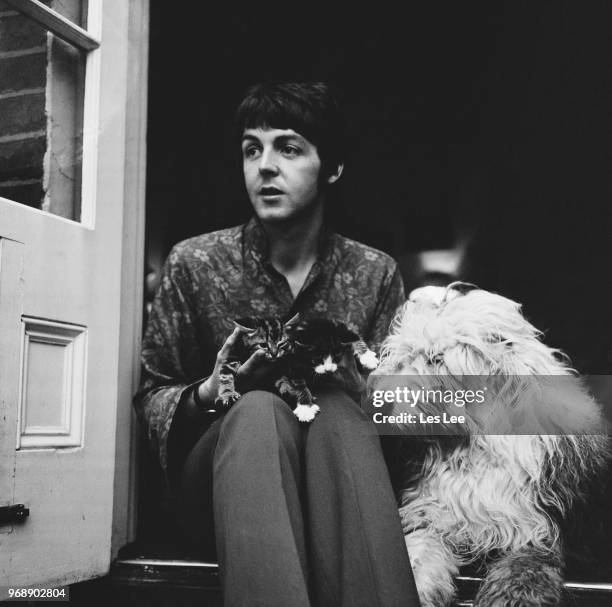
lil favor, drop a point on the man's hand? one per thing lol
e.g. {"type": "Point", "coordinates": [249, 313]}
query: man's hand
{"type": "Point", "coordinates": [250, 372]}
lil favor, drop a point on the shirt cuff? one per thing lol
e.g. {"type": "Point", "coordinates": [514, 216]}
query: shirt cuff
{"type": "Point", "coordinates": [205, 407]}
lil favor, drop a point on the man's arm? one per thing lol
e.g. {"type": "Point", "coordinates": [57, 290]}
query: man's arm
{"type": "Point", "coordinates": [171, 360]}
{"type": "Point", "coordinates": [179, 382]}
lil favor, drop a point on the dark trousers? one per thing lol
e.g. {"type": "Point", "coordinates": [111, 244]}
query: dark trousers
{"type": "Point", "coordinates": [303, 514]}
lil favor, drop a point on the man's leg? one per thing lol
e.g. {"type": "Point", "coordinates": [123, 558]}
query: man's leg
{"type": "Point", "coordinates": [356, 546]}
{"type": "Point", "coordinates": [257, 511]}
{"type": "Point", "coordinates": [195, 503]}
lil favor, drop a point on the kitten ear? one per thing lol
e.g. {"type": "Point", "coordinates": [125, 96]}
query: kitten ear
{"type": "Point", "coordinates": [293, 321]}
{"type": "Point", "coordinates": [245, 324]}
{"type": "Point", "coordinates": [347, 336]}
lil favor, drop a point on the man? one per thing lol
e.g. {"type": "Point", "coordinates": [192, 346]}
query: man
{"type": "Point", "coordinates": [302, 512]}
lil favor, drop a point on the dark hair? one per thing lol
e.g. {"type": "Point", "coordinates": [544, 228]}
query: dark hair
{"type": "Point", "coordinates": [309, 108]}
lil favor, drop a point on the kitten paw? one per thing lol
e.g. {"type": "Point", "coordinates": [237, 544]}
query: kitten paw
{"type": "Point", "coordinates": [306, 413]}
{"type": "Point", "coordinates": [368, 360]}
{"type": "Point", "coordinates": [226, 400]}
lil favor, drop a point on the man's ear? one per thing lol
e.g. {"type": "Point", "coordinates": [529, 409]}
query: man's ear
{"type": "Point", "coordinates": [333, 177]}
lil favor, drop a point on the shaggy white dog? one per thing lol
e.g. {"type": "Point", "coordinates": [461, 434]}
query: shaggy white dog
{"type": "Point", "coordinates": [491, 494]}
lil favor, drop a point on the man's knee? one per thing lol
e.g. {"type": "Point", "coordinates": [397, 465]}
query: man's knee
{"type": "Point", "coordinates": [340, 414]}
{"type": "Point", "coordinates": [338, 405]}
{"type": "Point", "coordinates": [257, 403]}
{"type": "Point", "coordinates": [260, 413]}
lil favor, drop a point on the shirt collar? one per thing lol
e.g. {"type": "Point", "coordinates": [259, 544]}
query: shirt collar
{"type": "Point", "coordinates": [256, 242]}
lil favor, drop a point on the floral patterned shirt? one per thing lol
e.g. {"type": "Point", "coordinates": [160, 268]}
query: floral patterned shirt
{"type": "Point", "coordinates": [211, 279]}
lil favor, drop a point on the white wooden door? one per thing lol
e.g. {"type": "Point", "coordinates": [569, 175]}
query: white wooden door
{"type": "Point", "coordinates": [60, 298]}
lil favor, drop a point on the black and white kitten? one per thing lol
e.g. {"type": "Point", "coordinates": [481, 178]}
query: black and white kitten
{"type": "Point", "coordinates": [320, 346]}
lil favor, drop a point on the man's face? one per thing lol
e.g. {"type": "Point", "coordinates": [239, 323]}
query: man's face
{"type": "Point", "coordinates": [281, 173]}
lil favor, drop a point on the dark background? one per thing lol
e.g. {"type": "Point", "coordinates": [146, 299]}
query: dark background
{"type": "Point", "coordinates": [482, 127]}
{"type": "Point", "coordinates": [479, 128]}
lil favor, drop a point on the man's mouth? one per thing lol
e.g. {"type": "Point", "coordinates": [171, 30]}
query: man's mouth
{"type": "Point", "coordinates": [270, 191]}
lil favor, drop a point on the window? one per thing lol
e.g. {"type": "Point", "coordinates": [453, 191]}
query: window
{"type": "Point", "coordinates": [47, 58]}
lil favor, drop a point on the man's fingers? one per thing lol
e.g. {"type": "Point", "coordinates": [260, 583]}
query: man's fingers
{"type": "Point", "coordinates": [253, 371]}
{"type": "Point", "coordinates": [229, 344]}
{"type": "Point", "coordinates": [252, 363]}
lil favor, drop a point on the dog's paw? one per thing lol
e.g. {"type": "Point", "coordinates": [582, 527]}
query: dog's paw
{"type": "Point", "coordinates": [528, 580]}
{"type": "Point", "coordinates": [369, 360]}
{"type": "Point", "coordinates": [306, 413]}
{"type": "Point", "coordinates": [227, 399]}
{"type": "Point", "coordinates": [507, 597]}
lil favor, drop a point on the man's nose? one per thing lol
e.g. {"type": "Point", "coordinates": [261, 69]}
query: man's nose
{"type": "Point", "coordinates": [268, 163]}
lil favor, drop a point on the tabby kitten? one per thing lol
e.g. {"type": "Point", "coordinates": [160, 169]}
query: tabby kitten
{"type": "Point", "coordinates": [267, 334]}
{"type": "Point", "coordinates": [304, 350]}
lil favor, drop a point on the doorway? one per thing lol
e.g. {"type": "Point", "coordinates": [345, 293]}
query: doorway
{"type": "Point", "coordinates": [477, 149]}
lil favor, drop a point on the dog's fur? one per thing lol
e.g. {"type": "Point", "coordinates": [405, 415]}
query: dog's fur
{"type": "Point", "coordinates": [498, 497]}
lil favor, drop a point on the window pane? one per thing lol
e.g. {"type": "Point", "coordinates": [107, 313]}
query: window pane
{"type": "Point", "coordinates": [74, 10]}
{"type": "Point", "coordinates": [41, 117]}
{"type": "Point", "coordinates": [64, 130]}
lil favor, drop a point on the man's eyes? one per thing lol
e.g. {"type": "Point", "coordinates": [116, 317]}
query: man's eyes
{"type": "Point", "coordinates": [254, 151]}
{"type": "Point", "coordinates": [290, 150]}
{"type": "Point", "coordinates": [251, 151]}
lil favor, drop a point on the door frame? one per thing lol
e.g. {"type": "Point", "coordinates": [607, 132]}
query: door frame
{"type": "Point", "coordinates": [132, 279]}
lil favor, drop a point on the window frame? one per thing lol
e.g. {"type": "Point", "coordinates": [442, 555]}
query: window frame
{"type": "Point", "coordinates": [57, 24]}
{"type": "Point", "coordinates": [88, 41]}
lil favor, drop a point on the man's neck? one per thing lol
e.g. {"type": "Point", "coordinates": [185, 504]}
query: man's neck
{"type": "Point", "coordinates": [293, 248]}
